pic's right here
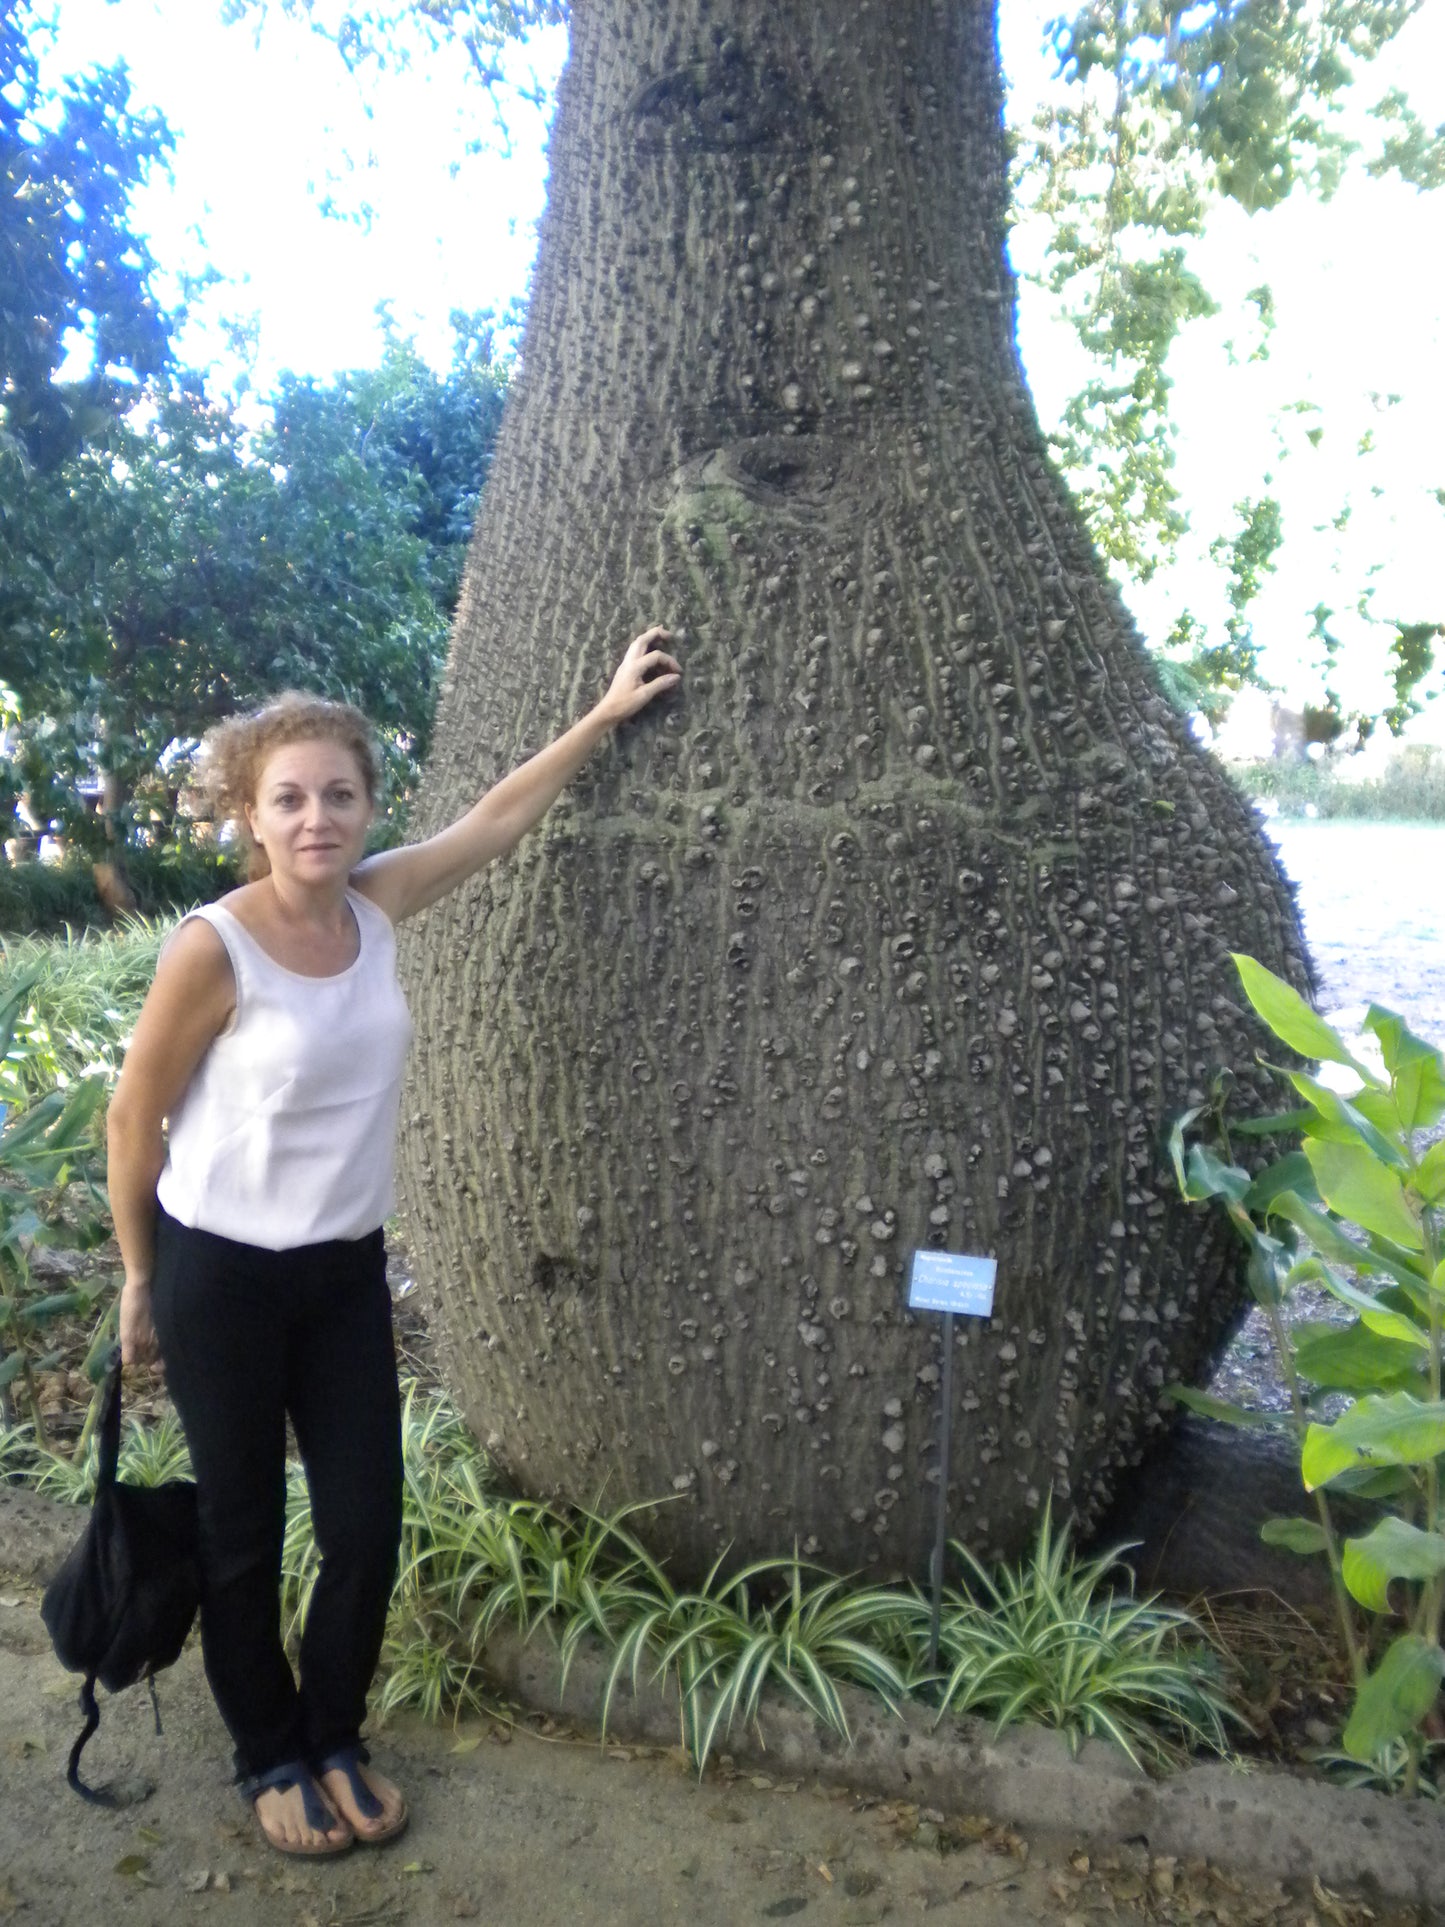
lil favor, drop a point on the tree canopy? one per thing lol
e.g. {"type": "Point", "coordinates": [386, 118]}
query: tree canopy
{"type": "Point", "coordinates": [169, 553]}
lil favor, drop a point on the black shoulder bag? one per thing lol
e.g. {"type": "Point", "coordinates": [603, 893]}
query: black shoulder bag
{"type": "Point", "coordinates": [120, 1607]}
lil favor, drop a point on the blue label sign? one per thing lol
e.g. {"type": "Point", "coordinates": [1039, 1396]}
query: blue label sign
{"type": "Point", "coordinates": [949, 1281]}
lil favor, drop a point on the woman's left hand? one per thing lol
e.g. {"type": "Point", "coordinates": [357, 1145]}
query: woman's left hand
{"type": "Point", "coordinates": [643, 674]}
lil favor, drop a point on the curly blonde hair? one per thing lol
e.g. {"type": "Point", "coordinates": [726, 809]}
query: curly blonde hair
{"type": "Point", "coordinates": [233, 754]}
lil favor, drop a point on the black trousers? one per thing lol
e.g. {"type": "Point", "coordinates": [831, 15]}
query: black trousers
{"type": "Point", "coordinates": [248, 1336]}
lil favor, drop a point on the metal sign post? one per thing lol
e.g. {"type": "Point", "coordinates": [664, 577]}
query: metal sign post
{"type": "Point", "coordinates": [954, 1284]}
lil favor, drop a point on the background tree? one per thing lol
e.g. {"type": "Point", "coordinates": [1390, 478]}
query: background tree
{"type": "Point", "coordinates": [161, 562]}
{"type": "Point", "coordinates": [178, 565]}
{"type": "Point", "coordinates": [71, 263]}
{"type": "Point", "coordinates": [1163, 112]}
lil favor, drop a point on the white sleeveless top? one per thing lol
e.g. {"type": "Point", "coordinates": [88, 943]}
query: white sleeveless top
{"type": "Point", "coordinates": [286, 1133]}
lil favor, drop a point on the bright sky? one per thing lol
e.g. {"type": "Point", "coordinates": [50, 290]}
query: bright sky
{"type": "Point", "coordinates": [266, 120]}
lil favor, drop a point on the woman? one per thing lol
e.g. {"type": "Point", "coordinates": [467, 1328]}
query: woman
{"type": "Point", "coordinates": [251, 1141]}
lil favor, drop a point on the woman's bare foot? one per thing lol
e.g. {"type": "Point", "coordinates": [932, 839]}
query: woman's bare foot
{"type": "Point", "coordinates": [282, 1817]}
{"type": "Point", "coordinates": [382, 1826]}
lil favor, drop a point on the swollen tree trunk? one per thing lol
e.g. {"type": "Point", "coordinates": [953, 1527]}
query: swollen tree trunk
{"type": "Point", "coordinates": [907, 923]}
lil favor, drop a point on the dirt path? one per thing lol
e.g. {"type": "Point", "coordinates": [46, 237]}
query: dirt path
{"type": "Point", "coordinates": [526, 1831]}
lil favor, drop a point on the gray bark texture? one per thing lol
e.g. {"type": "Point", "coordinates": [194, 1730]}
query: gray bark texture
{"type": "Point", "coordinates": [905, 923]}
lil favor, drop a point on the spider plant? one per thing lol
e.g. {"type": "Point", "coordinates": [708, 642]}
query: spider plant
{"type": "Point", "coordinates": [1060, 1641]}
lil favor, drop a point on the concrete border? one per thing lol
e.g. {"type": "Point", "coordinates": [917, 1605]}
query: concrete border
{"type": "Point", "coordinates": [1259, 1820]}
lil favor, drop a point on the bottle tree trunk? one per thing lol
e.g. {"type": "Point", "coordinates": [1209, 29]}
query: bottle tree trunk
{"type": "Point", "coordinates": [905, 924]}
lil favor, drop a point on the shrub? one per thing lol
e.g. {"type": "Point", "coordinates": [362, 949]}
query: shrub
{"type": "Point", "coordinates": [1364, 1196]}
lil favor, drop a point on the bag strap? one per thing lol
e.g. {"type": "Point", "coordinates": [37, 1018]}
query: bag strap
{"type": "Point", "coordinates": [109, 1424]}
{"type": "Point", "coordinates": [97, 1796]}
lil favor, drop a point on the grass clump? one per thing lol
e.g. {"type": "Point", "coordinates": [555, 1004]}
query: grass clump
{"type": "Point", "coordinates": [1054, 1640]}
{"type": "Point", "coordinates": [82, 999]}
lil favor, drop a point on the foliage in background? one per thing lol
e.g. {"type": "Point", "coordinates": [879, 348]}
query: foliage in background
{"type": "Point", "coordinates": [162, 563]}
{"type": "Point", "coordinates": [1364, 1196]}
{"type": "Point", "coordinates": [1166, 109]}
{"type": "Point", "coordinates": [51, 898]}
{"type": "Point", "coordinates": [1410, 789]}
{"type": "Point", "coordinates": [1052, 1642]}
{"type": "Point", "coordinates": [70, 259]}
{"type": "Point", "coordinates": [50, 1194]}
{"type": "Point", "coordinates": [73, 1004]}
{"type": "Point", "coordinates": [182, 567]}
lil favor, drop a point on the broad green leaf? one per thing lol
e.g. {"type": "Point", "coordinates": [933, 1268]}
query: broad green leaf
{"type": "Point", "coordinates": [1393, 1549]}
{"type": "Point", "coordinates": [1289, 1173]}
{"type": "Point", "coordinates": [1398, 1043]}
{"type": "Point", "coordinates": [1360, 1188]}
{"type": "Point", "coordinates": [11, 1367]}
{"type": "Point", "coordinates": [57, 1305]}
{"type": "Point", "coordinates": [1291, 1018]}
{"type": "Point", "coordinates": [1210, 1177]}
{"type": "Point", "coordinates": [1340, 1112]}
{"type": "Point", "coordinates": [1395, 1697]}
{"type": "Point", "coordinates": [1379, 1108]}
{"type": "Point", "coordinates": [1268, 1270]}
{"type": "Point", "coordinates": [1417, 1073]}
{"type": "Point", "coordinates": [1377, 1482]}
{"type": "Point", "coordinates": [1330, 1241]}
{"type": "Point", "coordinates": [1429, 1180]}
{"type": "Point", "coordinates": [1392, 1430]}
{"type": "Point", "coordinates": [1396, 1325]}
{"type": "Point", "coordinates": [1275, 1124]}
{"type": "Point", "coordinates": [1295, 1535]}
{"type": "Point", "coordinates": [1420, 1093]}
{"type": "Point", "coordinates": [1219, 1408]}
{"type": "Point", "coordinates": [1389, 1321]}
{"type": "Point", "coordinates": [1351, 1358]}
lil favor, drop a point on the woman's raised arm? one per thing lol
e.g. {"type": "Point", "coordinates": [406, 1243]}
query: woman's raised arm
{"type": "Point", "coordinates": [406, 880]}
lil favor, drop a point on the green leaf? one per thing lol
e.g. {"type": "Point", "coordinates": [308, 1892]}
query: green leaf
{"type": "Point", "coordinates": [1387, 1321]}
{"type": "Point", "coordinates": [1295, 1535]}
{"type": "Point", "coordinates": [1429, 1180]}
{"type": "Point", "coordinates": [1269, 1269]}
{"type": "Point", "coordinates": [1396, 1325]}
{"type": "Point", "coordinates": [11, 1367]}
{"type": "Point", "coordinates": [1353, 1123]}
{"type": "Point", "coordinates": [1217, 1408]}
{"type": "Point", "coordinates": [1377, 1482]}
{"type": "Point", "coordinates": [1330, 1241]}
{"type": "Point", "coordinates": [1379, 1108]}
{"type": "Point", "coordinates": [1291, 1018]}
{"type": "Point", "coordinates": [1289, 1173]}
{"type": "Point", "coordinates": [1395, 1697]}
{"type": "Point", "coordinates": [1359, 1187]}
{"type": "Point", "coordinates": [1275, 1124]}
{"type": "Point", "coordinates": [57, 1305]}
{"type": "Point", "coordinates": [1393, 1549]}
{"type": "Point", "coordinates": [1209, 1176]}
{"type": "Point", "coordinates": [1417, 1073]}
{"type": "Point", "coordinates": [1392, 1430]}
{"type": "Point", "coordinates": [1352, 1358]}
